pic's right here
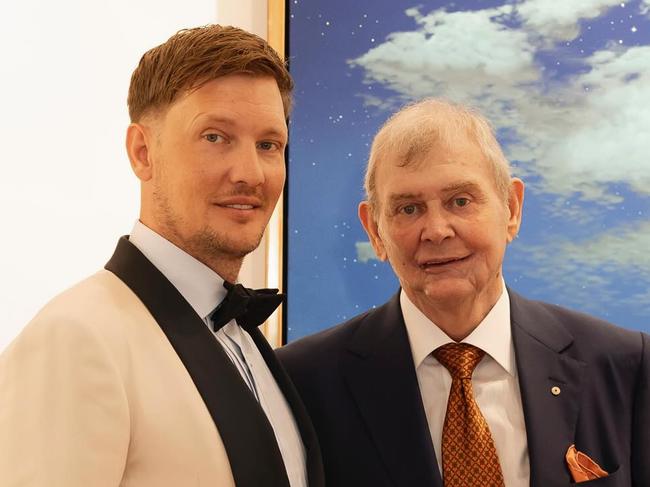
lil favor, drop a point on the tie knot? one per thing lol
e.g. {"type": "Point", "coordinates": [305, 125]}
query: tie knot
{"type": "Point", "coordinates": [250, 307]}
{"type": "Point", "coordinates": [460, 359]}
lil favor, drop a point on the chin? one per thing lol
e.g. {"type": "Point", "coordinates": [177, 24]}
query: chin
{"type": "Point", "coordinates": [233, 243]}
{"type": "Point", "coordinates": [452, 290]}
{"type": "Point", "coordinates": [238, 248]}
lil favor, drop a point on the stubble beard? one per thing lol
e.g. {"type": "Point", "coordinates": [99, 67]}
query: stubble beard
{"type": "Point", "coordinates": [206, 245]}
{"type": "Point", "coordinates": [207, 242]}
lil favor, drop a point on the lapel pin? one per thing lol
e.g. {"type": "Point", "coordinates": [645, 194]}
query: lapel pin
{"type": "Point", "coordinates": [555, 390]}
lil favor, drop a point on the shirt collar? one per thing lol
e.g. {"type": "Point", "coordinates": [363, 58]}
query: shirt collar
{"type": "Point", "coordinates": [201, 287]}
{"type": "Point", "coordinates": [493, 335]}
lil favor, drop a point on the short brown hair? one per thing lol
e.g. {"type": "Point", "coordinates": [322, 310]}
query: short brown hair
{"type": "Point", "coordinates": [192, 57]}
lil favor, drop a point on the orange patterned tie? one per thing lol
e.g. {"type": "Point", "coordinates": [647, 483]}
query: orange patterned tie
{"type": "Point", "coordinates": [468, 454]}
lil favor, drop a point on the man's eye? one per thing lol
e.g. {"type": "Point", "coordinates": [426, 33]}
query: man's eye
{"type": "Point", "coordinates": [460, 202]}
{"type": "Point", "coordinates": [214, 138]}
{"type": "Point", "coordinates": [267, 146]}
{"type": "Point", "coordinates": [408, 209]}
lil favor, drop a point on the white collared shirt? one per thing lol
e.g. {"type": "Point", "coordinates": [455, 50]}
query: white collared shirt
{"type": "Point", "coordinates": [494, 382]}
{"type": "Point", "coordinates": [203, 289]}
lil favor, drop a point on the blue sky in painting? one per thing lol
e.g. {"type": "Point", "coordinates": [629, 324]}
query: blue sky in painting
{"type": "Point", "coordinates": [567, 85]}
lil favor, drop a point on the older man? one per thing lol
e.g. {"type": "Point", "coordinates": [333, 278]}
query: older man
{"type": "Point", "coordinates": [457, 380]}
{"type": "Point", "coordinates": [152, 373]}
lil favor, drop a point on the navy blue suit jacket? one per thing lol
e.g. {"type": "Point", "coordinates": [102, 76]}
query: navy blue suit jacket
{"type": "Point", "coordinates": [359, 384]}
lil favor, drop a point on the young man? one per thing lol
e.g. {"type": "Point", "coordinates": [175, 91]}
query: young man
{"type": "Point", "coordinates": [152, 372]}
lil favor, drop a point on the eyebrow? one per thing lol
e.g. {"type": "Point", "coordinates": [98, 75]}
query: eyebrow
{"type": "Point", "coordinates": [404, 196]}
{"type": "Point", "coordinates": [268, 132]}
{"type": "Point", "coordinates": [207, 118]}
{"type": "Point", "coordinates": [462, 186]}
{"type": "Point", "coordinates": [459, 187]}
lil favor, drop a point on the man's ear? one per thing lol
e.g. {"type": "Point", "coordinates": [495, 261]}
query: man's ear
{"type": "Point", "coordinates": [515, 206]}
{"type": "Point", "coordinates": [370, 225]}
{"type": "Point", "coordinates": [138, 144]}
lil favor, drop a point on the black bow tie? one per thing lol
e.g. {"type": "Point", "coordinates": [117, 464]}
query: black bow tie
{"type": "Point", "coordinates": [249, 307]}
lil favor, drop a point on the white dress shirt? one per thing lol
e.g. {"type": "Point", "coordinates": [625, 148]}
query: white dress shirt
{"type": "Point", "coordinates": [495, 384]}
{"type": "Point", "coordinates": [203, 289]}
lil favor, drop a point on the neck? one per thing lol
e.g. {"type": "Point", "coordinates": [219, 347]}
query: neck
{"type": "Point", "coordinates": [228, 269]}
{"type": "Point", "coordinates": [457, 318]}
{"type": "Point", "coordinates": [227, 265]}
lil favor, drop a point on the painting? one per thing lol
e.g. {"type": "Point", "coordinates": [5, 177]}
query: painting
{"type": "Point", "coordinates": [567, 88]}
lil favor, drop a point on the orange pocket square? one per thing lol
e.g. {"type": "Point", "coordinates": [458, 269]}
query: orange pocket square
{"type": "Point", "coordinates": [582, 467]}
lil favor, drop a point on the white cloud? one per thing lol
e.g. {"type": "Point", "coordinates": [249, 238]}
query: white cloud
{"type": "Point", "coordinates": [636, 300]}
{"type": "Point", "coordinates": [382, 104]}
{"type": "Point", "coordinates": [596, 138]}
{"type": "Point", "coordinates": [558, 19]}
{"type": "Point", "coordinates": [645, 7]}
{"type": "Point", "coordinates": [580, 136]}
{"type": "Point", "coordinates": [365, 252]}
{"type": "Point", "coordinates": [413, 62]}
{"type": "Point", "coordinates": [622, 248]}
{"type": "Point", "coordinates": [586, 273]}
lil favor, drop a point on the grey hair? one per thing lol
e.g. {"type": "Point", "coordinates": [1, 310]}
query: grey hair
{"type": "Point", "coordinates": [410, 133]}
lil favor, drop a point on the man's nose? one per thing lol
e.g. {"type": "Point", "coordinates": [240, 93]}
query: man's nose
{"type": "Point", "coordinates": [438, 225]}
{"type": "Point", "coordinates": [247, 165]}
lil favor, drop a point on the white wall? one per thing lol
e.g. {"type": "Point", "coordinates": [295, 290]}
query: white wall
{"type": "Point", "coordinates": [66, 188]}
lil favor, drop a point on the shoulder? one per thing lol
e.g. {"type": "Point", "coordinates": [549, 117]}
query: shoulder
{"type": "Point", "coordinates": [323, 349]}
{"type": "Point", "coordinates": [90, 312]}
{"type": "Point", "coordinates": [316, 363]}
{"type": "Point", "coordinates": [591, 338]}
{"type": "Point", "coordinates": [323, 344]}
{"type": "Point", "coordinates": [96, 299]}
{"type": "Point", "coordinates": [577, 321]}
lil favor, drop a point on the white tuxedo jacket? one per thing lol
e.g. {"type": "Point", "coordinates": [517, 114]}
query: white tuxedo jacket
{"type": "Point", "coordinates": [117, 382]}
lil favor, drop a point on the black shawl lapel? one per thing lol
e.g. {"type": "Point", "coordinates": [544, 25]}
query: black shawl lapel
{"type": "Point", "coordinates": [381, 376]}
{"type": "Point", "coordinates": [247, 435]}
{"type": "Point", "coordinates": [540, 341]}
{"type": "Point", "coordinates": [315, 473]}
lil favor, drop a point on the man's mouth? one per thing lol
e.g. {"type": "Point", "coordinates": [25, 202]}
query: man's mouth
{"type": "Point", "coordinates": [241, 203]}
{"type": "Point", "coordinates": [240, 207]}
{"type": "Point", "coordinates": [441, 262]}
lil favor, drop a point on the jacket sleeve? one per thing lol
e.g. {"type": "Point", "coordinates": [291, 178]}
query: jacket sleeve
{"type": "Point", "coordinates": [641, 420]}
{"type": "Point", "coordinates": [64, 416]}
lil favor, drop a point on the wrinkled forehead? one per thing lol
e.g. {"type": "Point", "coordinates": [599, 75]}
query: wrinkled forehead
{"type": "Point", "coordinates": [422, 149]}
{"type": "Point", "coordinates": [432, 162]}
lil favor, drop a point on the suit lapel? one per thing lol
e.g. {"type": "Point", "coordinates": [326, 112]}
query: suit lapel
{"type": "Point", "coordinates": [247, 435]}
{"type": "Point", "coordinates": [315, 473]}
{"type": "Point", "coordinates": [379, 370]}
{"type": "Point", "coordinates": [539, 340]}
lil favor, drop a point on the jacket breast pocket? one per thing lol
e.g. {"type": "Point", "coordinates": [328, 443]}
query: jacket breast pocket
{"type": "Point", "coordinates": [612, 480]}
